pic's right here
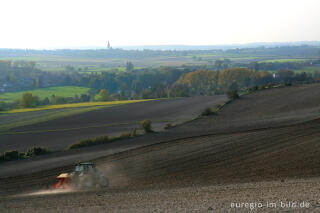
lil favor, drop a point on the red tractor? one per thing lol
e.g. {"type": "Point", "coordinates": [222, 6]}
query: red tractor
{"type": "Point", "coordinates": [85, 175]}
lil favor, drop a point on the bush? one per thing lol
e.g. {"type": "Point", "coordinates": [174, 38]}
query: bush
{"type": "Point", "coordinates": [232, 94]}
{"type": "Point", "coordinates": [35, 151]}
{"type": "Point", "coordinates": [122, 136]}
{"type": "Point", "coordinates": [134, 132]}
{"type": "Point", "coordinates": [207, 111]}
{"type": "Point", "coordinates": [219, 106]}
{"type": "Point", "coordinates": [146, 125]}
{"type": "Point", "coordinates": [12, 155]}
{"type": "Point", "coordinates": [270, 85]}
{"type": "Point", "coordinates": [252, 89]}
{"type": "Point", "coordinates": [168, 126]}
{"type": "Point", "coordinates": [15, 155]}
{"type": "Point", "coordinates": [102, 140]}
{"type": "Point", "coordinates": [83, 143]}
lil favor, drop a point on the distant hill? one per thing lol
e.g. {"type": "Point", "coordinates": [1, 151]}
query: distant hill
{"type": "Point", "coordinates": [176, 47]}
{"type": "Point", "coordinates": [220, 47]}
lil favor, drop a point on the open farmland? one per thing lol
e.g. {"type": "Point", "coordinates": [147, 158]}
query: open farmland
{"type": "Point", "coordinates": [65, 91]}
{"type": "Point", "coordinates": [261, 109]}
{"type": "Point", "coordinates": [22, 117]}
{"type": "Point", "coordinates": [73, 105]}
{"type": "Point", "coordinates": [264, 145]}
{"type": "Point", "coordinates": [212, 198]}
{"type": "Point", "coordinates": [160, 106]}
{"type": "Point", "coordinates": [284, 60]}
{"type": "Point", "coordinates": [61, 132]}
{"type": "Point", "coordinates": [108, 60]}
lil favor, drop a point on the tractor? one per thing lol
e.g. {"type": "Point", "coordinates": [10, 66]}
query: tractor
{"type": "Point", "coordinates": [84, 176]}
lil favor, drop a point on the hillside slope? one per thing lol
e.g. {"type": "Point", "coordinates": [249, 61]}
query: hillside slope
{"type": "Point", "coordinates": [261, 109]}
{"type": "Point", "coordinates": [59, 133]}
{"type": "Point", "coordinates": [241, 143]}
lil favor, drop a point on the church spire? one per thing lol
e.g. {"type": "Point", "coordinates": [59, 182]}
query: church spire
{"type": "Point", "coordinates": [109, 46]}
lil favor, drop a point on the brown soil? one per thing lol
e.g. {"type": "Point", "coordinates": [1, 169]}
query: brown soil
{"type": "Point", "coordinates": [263, 147]}
{"type": "Point", "coordinates": [58, 134]}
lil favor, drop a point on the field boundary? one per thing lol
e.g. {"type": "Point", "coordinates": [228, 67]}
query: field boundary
{"type": "Point", "coordinates": [77, 128]}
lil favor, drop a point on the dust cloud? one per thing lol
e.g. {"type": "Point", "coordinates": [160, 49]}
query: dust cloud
{"type": "Point", "coordinates": [113, 173]}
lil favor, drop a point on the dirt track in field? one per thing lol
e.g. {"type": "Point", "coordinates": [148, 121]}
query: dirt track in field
{"type": "Point", "coordinates": [263, 147]}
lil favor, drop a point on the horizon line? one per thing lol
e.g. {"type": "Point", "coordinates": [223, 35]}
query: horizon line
{"type": "Point", "coordinates": [282, 43]}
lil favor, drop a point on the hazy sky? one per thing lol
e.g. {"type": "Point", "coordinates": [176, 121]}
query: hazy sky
{"type": "Point", "coordinates": [76, 23]}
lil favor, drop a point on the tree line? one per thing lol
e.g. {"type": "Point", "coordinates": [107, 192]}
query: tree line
{"type": "Point", "coordinates": [163, 82]}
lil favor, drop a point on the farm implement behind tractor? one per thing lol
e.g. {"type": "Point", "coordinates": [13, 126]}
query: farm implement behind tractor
{"type": "Point", "coordinates": [85, 175]}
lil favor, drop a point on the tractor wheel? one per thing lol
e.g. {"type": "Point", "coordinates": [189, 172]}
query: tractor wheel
{"type": "Point", "coordinates": [103, 181]}
{"type": "Point", "coordinates": [88, 182]}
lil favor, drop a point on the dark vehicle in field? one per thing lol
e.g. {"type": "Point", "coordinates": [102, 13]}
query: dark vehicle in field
{"type": "Point", "coordinates": [85, 175]}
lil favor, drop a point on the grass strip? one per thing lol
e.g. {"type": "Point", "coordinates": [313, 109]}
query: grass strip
{"type": "Point", "coordinates": [75, 105]}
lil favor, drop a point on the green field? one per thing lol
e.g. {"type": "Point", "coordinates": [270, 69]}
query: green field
{"type": "Point", "coordinates": [285, 60]}
{"type": "Point", "coordinates": [85, 69]}
{"type": "Point", "coordinates": [90, 64]}
{"type": "Point", "coordinates": [65, 91]}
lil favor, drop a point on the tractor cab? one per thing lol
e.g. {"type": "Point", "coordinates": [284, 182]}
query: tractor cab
{"type": "Point", "coordinates": [84, 167]}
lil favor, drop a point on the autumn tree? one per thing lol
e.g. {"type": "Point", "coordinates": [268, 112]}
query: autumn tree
{"type": "Point", "coordinates": [28, 100]}
{"type": "Point", "coordinates": [242, 76]}
{"type": "Point", "coordinates": [179, 90]}
{"type": "Point", "coordinates": [200, 82]}
{"type": "Point", "coordinates": [263, 77]}
{"type": "Point", "coordinates": [103, 95]}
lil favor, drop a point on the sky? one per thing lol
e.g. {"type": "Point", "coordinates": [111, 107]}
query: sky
{"type": "Point", "coordinates": [44, 24]}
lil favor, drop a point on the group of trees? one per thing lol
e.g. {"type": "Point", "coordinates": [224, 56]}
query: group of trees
{"type": "Point", "coordinates": [274, 66]}
{"type": "Point", "coordinates": [166, 83]}
{"type": "Point", "coordinates": [23, 75]}
{"type": "Point", "coordinates": [28, 100]}
{"type": "Point", "coordinates": [163, 82]}
{"type": "Point", "coordinates": [199, 82]}
{"type": "Point", "coordinates": [206, 82]}
{"type": "Point", "coordinates": [133, 84]}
